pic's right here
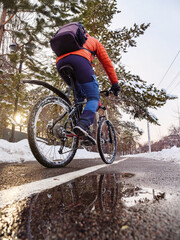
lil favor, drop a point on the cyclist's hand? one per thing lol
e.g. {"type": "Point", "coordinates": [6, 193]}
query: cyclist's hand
{"type": "Point", "coordinates": [115, 89]}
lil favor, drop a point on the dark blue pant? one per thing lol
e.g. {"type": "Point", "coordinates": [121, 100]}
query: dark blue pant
{"type": "Point", "coordinates": [86, 85]}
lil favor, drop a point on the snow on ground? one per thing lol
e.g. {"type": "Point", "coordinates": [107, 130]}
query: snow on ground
{"type": "Point", "coordinates": [20, 152]}
{"type": "Point", "coordinates": [170, 155]}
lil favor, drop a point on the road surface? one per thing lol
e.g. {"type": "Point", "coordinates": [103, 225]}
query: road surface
{"type": "Point", "coordinates": [131, 199]}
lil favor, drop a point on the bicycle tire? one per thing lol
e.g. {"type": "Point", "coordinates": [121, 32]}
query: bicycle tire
{"type": "Point", "coordinates": [42, 137]}
{"type": "Point", "coordinates": [106, 141]}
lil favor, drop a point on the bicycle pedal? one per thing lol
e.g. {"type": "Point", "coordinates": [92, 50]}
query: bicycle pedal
{"type": "Point", "coordinates": [86, 143]}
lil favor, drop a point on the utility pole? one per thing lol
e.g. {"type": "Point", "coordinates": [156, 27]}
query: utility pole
{"type": "Point", "coordinates": [149, 141]}
{"type": "Point", "coordinates": [178, 114]}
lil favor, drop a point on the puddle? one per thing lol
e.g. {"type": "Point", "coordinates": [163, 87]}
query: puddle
{"type": "Point", "coordinates": [85, 205]}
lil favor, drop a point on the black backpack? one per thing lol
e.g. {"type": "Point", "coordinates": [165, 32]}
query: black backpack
{"type": "Point", "coordinates": [69, 38]}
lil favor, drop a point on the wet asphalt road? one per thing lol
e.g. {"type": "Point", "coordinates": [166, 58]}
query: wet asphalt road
{"type": "Point", "coordinates": [134, 199]}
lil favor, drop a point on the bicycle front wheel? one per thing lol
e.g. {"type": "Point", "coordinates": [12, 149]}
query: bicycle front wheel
{"type": "Point", "coordinates": [50, 134]}
{"type": "Point", "coordinates": [106, 140]}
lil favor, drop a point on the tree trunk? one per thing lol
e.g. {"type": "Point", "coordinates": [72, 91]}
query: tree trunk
{"type": "Point", "coordinates": [12, 139]}
{"type": "Point", "coordinates": [3, 17]}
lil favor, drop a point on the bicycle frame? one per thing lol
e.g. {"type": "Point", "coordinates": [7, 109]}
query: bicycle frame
{"type": "Point", "coordinates": [99, 117]}
{"type": "Point", "coordinates": [75, 108]}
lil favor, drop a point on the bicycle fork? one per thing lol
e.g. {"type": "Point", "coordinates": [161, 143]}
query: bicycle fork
{"type": "Point", "coordinates": [106, 118]}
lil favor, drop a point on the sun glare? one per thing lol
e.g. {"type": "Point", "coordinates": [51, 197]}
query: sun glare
{"type": "Point", "coordinates": [18, 118]}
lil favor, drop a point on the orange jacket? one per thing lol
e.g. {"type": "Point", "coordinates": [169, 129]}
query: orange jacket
{"type": "Point", "coordinates": [94, 45]}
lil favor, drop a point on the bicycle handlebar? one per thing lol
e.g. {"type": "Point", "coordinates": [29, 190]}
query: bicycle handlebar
{"type": "Point", "coordinates": [106, 92]}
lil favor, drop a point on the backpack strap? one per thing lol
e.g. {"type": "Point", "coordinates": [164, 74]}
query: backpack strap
{"type": "Point", "coordinates": [92, 52]}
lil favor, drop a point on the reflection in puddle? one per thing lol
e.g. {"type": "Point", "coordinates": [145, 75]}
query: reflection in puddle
{"type": "Point", "coordinates": [87, 206]}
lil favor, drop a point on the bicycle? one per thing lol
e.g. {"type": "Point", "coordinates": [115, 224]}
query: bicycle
{"type": "Point", "coordinates": [50, 126]}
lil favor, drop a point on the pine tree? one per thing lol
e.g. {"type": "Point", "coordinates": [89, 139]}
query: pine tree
{"type": "Point", "coordinates": [136, 97]}
{"type": "Point", "coordinates": [30, 24]}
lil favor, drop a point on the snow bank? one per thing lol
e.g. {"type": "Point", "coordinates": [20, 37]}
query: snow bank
{"type": "Point", "coordinates": [20, 152]}
{"type": "Point", "coordinates": [170, 155]}
{"type": "Point", "coordinates": [15, 152]}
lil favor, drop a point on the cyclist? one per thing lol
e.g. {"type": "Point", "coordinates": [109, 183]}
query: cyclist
{"type": "Point", "coordinates": [86, 84]}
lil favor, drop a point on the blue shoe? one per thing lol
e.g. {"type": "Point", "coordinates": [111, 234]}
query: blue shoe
{"type": "Point", "coordinates": [82, 130]}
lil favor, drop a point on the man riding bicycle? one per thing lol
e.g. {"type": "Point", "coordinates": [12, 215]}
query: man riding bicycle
{"type": "Point", "coordinates": [86, 84]}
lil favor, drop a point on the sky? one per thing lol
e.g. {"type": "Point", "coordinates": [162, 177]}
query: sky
{"type": "Point", "coordinates": [156, 59]}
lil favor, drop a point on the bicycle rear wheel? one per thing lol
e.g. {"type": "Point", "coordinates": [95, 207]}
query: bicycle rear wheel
{"type": "Point", "coordinates": [50, 135]}
{"type": "Point", "coordinates": [106, 140]}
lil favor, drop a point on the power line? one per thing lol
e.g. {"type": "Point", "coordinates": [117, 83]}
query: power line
{"type": "Point", "coordinates": [169, 68]}
{"type": "Point", "coordinates": [175, 86]}
{"type": "Point", "coordinates": [171, 83]}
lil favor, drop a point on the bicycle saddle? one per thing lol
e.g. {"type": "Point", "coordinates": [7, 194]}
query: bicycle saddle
{"type": "Point", "coordinates": [67, 71]}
